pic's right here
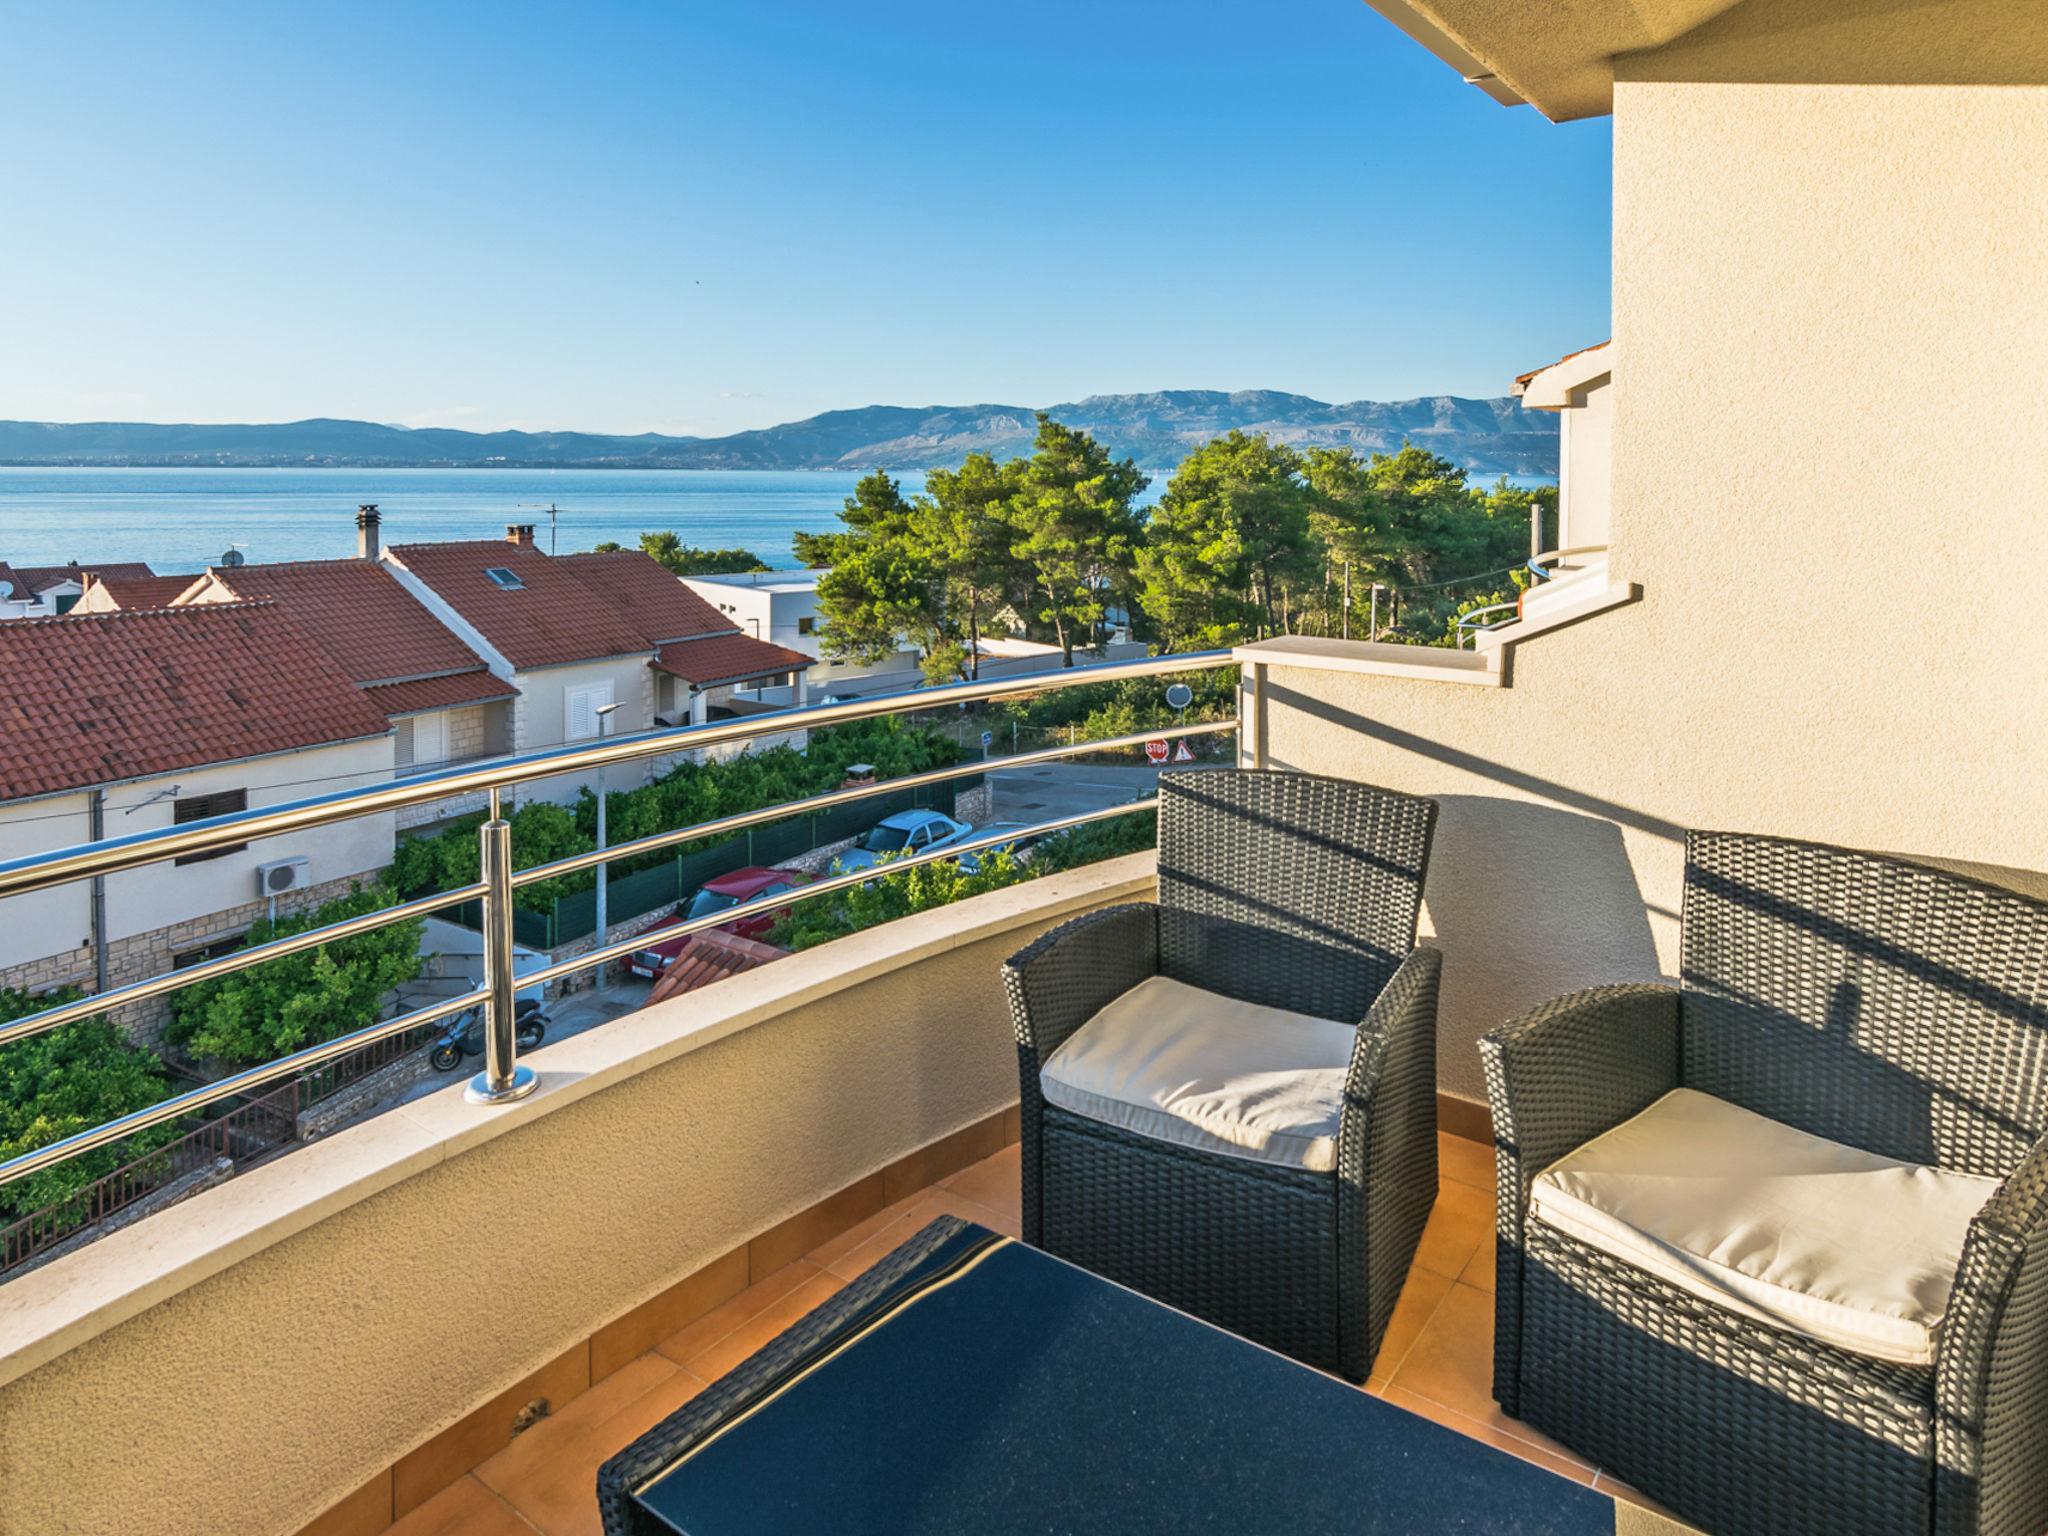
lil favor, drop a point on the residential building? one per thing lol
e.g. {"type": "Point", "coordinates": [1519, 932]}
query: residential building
{"type": "Point", "coordinates": [782, 607]}
{"type": "Point", "coordinates": [118, 594]}
{"type": "Point", "coordinates": [579, 634]}
{"type": "Point", "coordinates": [123, 722]}
{"type": "Point", "coordinates": [445, 705]}
{"type": "Point", "coordinates": [43, 591]}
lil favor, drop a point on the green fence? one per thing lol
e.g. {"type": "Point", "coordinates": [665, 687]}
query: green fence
{"type": "Point", "coordinates": [570, 918]}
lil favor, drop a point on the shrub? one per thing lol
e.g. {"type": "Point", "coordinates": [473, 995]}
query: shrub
{"type": "Point", "coordinates": [68, 1080]}
{"type": "Point", "coordinates": [287, 1004]}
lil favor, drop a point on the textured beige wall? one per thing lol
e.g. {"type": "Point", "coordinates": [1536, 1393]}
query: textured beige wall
{"type": "Point", "coordinates": [251, 1401]}
{"type": "Point", "coordinates": [1830, 439]}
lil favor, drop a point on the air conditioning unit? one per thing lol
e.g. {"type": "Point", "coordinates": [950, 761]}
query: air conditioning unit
{"type": "Point", "coordinates": [279, 876]}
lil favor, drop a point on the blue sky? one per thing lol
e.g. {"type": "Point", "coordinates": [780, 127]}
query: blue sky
{"type": "Point", "coordinates": [697, 217]}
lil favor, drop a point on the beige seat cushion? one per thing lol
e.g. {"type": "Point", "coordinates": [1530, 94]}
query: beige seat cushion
{"type": "Point", "coordinates": [1175, 1063]}
{"type": "Point", "coordinates": [1844, 1246]}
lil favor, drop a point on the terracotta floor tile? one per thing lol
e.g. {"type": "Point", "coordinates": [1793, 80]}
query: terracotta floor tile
{"type": "Point", "coordinates": [559, 1495]}
{"type": "Point", "coordinates": [828, 1253]}
{"type": "Point", "coordinates": [742, 1309]}
{"type": "Point", "coordinates": [1451, 1365]}
{"type": "Point", "coordinates": [919, 1212]}
{"type": "Point", "coordinates": [713, 1362]}
{"type": "Point", "coordinates": [1419, 1300]}
{"type": "Point", "coordinates": [1550, 1458]}
{"type": "Point", "coordinates": [464, 1508]}
{"type": "Point", "coordinates": [993, 1182]}
{"type": "Point", "coordinates": [1479, 1271]}
{"type": "Point", "coordinates": [558, 1432]}
{"type": "Point", "coordinates": [1457, 1226]}
{"type": "Point", "coordinates": [1468, 1162]}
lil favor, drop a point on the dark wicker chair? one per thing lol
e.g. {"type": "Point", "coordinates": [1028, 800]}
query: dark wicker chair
{"type": "Point", "coordinates": [1290, 891]}
{"type": "Point", "coordinates": [1877, 1003]}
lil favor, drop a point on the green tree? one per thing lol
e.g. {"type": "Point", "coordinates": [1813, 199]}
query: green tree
{"type": "Point", "coordinates": [688, 560]}
{"type": "Point", "coordinates": [68, 1080]}
{"type": "Point", "coordinates": [1229, 545]}
{"type": "Point", "coordinates": [966, 518]}
{"type": "Point", "coordinates": [287, 1004]}
{"type": "Point", "coordinates": [1078, 531]}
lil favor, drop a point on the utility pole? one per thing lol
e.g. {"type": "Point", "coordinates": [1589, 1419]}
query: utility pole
{"type": "Point", "coordinates": [1347, 599]}
{"type": "Point", "coordinates": [1377, 588]}
{"type": "Point", "coordinates": [96, 829]}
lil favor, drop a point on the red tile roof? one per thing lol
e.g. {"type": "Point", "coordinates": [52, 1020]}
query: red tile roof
{"type": "Point", "coordinates": [451, 692]}
{"type": "Point", "coordinates": [550, 620]}
{"type": "Point", "coordinates": [11, 585]}
{"type": "Point", "coordinates": [647, 595]}
{"type": "Point", "coordinates": [375, 630]}
{"type": "Point", "coordinates": [143, 591]}
{"type": "Point", "coordinates": [708, 957]}
{"type": "Point", "coordinates": [99, 698]}
{"type": "Point", "coordinates": [42, 577]}
{"type": "Point", "coordinates": [727, 659]}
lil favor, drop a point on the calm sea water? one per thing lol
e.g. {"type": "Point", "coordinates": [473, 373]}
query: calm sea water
{"type": "Point", "coordinates": [184, 519]}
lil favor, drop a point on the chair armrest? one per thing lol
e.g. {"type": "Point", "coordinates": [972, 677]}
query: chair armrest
{"type": "Point", "coordinates": [1576, 1066]}
{"type": "Point", "coordinates": [1555, 1078]}
{"type": "Point", "coordinates": [1991, 1362]}
{"type": "Point", "coordinates": [1386, 1155]}
{"type": "Point", "coordinates": [1064, 977]}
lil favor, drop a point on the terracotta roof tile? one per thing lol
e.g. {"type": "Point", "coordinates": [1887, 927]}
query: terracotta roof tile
{"type": "Point", "coordinates": [375, 630]}
{"type": "Point", "coordinates": [647, 595]}
{"type": "Point", "coordinates": [100, 698]}
{"type": "Point", "coordinates": [42, 577]}
{"type": "Point", "coordinates": [11, 585]}
{"type": "Point", "coordinates": [143, 591]}
{"type": "Point", "coordinates": [450, 692]}
{"type": "Point", "coordinates": [708, 957]}
{"type": "Point", "coordinates": [548, 620]}
{"type": "Point", "coordinates": [727, 659]}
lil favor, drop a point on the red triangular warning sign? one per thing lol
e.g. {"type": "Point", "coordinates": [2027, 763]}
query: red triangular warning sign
{"type": "Point", "coordinates": [1181, 754]}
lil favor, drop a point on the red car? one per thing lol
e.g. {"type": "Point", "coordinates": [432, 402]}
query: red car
{"type": "Point", "coordinates": [715, 896]}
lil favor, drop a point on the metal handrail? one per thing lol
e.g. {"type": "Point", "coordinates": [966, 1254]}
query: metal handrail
{"type": "Point", "coordinates": [502, 1079]}
{"type": "Point", "coordinates": [1535, 564]}
{"type": "Point", "coordinates": [113, 855]}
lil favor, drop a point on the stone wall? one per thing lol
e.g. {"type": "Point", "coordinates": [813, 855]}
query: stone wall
{"type": "Point", "coordinates": [143, 955]}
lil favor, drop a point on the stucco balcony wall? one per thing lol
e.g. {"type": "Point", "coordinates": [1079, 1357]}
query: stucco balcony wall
{"type": "Point", "coordinates": [248, 1359]}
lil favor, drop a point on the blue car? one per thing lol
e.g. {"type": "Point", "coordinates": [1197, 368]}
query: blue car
{"type": "Point", "coordinates": [907, 832]}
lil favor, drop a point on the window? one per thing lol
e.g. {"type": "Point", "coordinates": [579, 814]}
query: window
{"type": "Point", "coordinates": [806, 625]}
{"type": "Point", "coordinates": [507, 580]}
{"type": "Point", "coordinates": [186, 958]}
{"type": "Point", "coordinates": [199, 808]}
{"type": "Point", "coordinates": [401, 743]}
{"type": "Point", "coordinates": [580, 707]}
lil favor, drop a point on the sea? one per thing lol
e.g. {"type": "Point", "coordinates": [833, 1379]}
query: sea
{"type": "Point", "coordinates": [180, 520]}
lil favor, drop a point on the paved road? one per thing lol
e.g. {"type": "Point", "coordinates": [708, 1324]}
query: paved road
{"type": "Point", "coordinates": [1065, 789]}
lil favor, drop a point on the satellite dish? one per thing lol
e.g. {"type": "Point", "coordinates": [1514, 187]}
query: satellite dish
{"type": "Point", "coordinates": [233, 558]}
{"type": "Point", "coordinates": [1180, 696]}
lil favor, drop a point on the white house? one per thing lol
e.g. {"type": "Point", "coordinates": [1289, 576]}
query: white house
{"type": "Point", "coordinates": [127, 722]}
{"type": "Point", "coordinates": [782, 607]}
{"type": "Point", "coordinates": [44, 591]}
{"type": "Point", "coordinates": [576, 635]}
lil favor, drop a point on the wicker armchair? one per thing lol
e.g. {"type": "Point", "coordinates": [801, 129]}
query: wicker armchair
{"type": "Point", "coordinates": [1882, 1005]}
{"type": "Point", "coordinates": [1285, 891]}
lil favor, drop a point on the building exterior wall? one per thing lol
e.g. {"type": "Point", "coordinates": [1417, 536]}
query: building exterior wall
{"type": "Point", "coordinates": [539, 716]}
{"type": "Point", "coordinates": [1585, 483]}
{"type": "Point", "coordinates": [167, 908]}
{"type": "Point", "coordinates": [1830, 310]}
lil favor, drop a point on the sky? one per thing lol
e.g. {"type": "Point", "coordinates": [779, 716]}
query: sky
{"type": "Point", "coordinates": [698, 217]}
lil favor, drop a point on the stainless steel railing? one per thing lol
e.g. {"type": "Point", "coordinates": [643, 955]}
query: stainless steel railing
{"type": "Point", "coordinates": [503, 1079]}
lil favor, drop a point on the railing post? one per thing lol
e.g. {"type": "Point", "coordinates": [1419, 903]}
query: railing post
{"type": "Point", "coordinates": [502, 1079]}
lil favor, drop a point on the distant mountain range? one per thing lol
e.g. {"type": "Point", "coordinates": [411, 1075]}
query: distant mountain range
{"type": "Point", "coordinates": [1158, 430]}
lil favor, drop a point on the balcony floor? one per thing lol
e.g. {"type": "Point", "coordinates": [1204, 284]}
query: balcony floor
{"type": "Point", "coordinates": [1437, 1359]}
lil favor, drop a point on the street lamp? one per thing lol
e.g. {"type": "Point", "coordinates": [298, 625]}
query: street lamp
{"type": "Point", "coordinates": [604, 729]}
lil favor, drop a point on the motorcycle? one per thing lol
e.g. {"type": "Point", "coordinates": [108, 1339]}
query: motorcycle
{"type": "Point", "coordinates": [464, 1036]}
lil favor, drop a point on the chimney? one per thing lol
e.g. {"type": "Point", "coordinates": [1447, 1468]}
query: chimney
{"type": "Point", "coordinates": [367, 521]}
{"type": "Point", "coordinates": [520, 534]}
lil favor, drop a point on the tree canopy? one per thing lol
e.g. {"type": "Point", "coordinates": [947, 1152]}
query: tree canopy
{"type": "Point", "coordinates": [688, 560]}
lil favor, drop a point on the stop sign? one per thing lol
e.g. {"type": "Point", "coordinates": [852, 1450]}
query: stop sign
{"type": "Point", "coordinates": [1155, 750]}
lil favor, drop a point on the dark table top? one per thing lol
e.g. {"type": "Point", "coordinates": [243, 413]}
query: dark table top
{"type": "Point", "coordinates": [972, 1384]}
